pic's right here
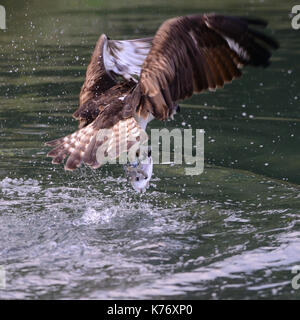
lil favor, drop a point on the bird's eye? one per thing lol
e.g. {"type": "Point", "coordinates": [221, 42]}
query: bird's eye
{"type": "Point", "coordinates": [137, 179]}
{"type": "Point", "coordinates": [145, 177]}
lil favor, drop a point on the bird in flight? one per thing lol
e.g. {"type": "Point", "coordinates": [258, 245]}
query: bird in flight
{"type": "Point", "coordinates": [131, 82]}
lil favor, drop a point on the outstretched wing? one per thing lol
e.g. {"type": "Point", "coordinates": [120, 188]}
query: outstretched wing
{"type": "Point", "coordinates": [110, 59]}
{"type": "Point", "coordinates": [106, 125]}
{"type": "Point", "coordinates": [188, 55]}
{"type": "Point", "coordinates": [196, 53]}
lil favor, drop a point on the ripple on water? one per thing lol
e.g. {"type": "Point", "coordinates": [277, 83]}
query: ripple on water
{"type": "Point", "coordinates": [73, 240]}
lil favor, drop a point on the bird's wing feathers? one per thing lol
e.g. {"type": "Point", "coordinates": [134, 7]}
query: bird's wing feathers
{"type": "Point", "coordinates": [110, 59]}
{"type": "Point", "coordinates": [97, 79]}
{"type": "Point", "coordinates": [196, 53]}
{"type": "Point", "coordinates": [187, 55]}
{"type": "Point", "coordinates": [125, 58]}
{"type": "Point", "coordinates": [101, 110]}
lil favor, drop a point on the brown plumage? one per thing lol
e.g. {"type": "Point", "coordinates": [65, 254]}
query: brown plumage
{"type": "Point", "coordinates": [187, 55]}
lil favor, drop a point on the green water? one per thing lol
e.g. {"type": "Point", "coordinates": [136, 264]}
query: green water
{"type": "Point", "coordinates": [232, 232]}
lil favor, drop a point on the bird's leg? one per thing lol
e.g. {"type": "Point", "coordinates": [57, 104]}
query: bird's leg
{"type": "Point", "coordinates": [176, 109]}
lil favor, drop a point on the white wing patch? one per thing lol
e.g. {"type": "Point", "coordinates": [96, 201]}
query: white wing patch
{"type": "Point", "coordinates": [122, 98]}
{"type": "Point", "coordinates": [125, 57]}
{"type": "Point", "coordinates": [241, 52]}
{"type": "Point", "coordinates": [237, 49]}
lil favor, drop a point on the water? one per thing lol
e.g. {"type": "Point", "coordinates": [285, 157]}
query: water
{"type": "Point", "coordinates": [232, 232]}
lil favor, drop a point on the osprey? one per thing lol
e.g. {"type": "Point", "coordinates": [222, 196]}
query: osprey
{"type": "Point", "coordinates": [128, 83]}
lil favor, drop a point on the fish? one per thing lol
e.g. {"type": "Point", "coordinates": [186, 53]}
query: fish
{"type": "Point", "coordinates": [139, 172]}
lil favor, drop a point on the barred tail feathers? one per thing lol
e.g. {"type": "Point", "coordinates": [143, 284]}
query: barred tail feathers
{"type": "Point", "coordinates": [94, 146]}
